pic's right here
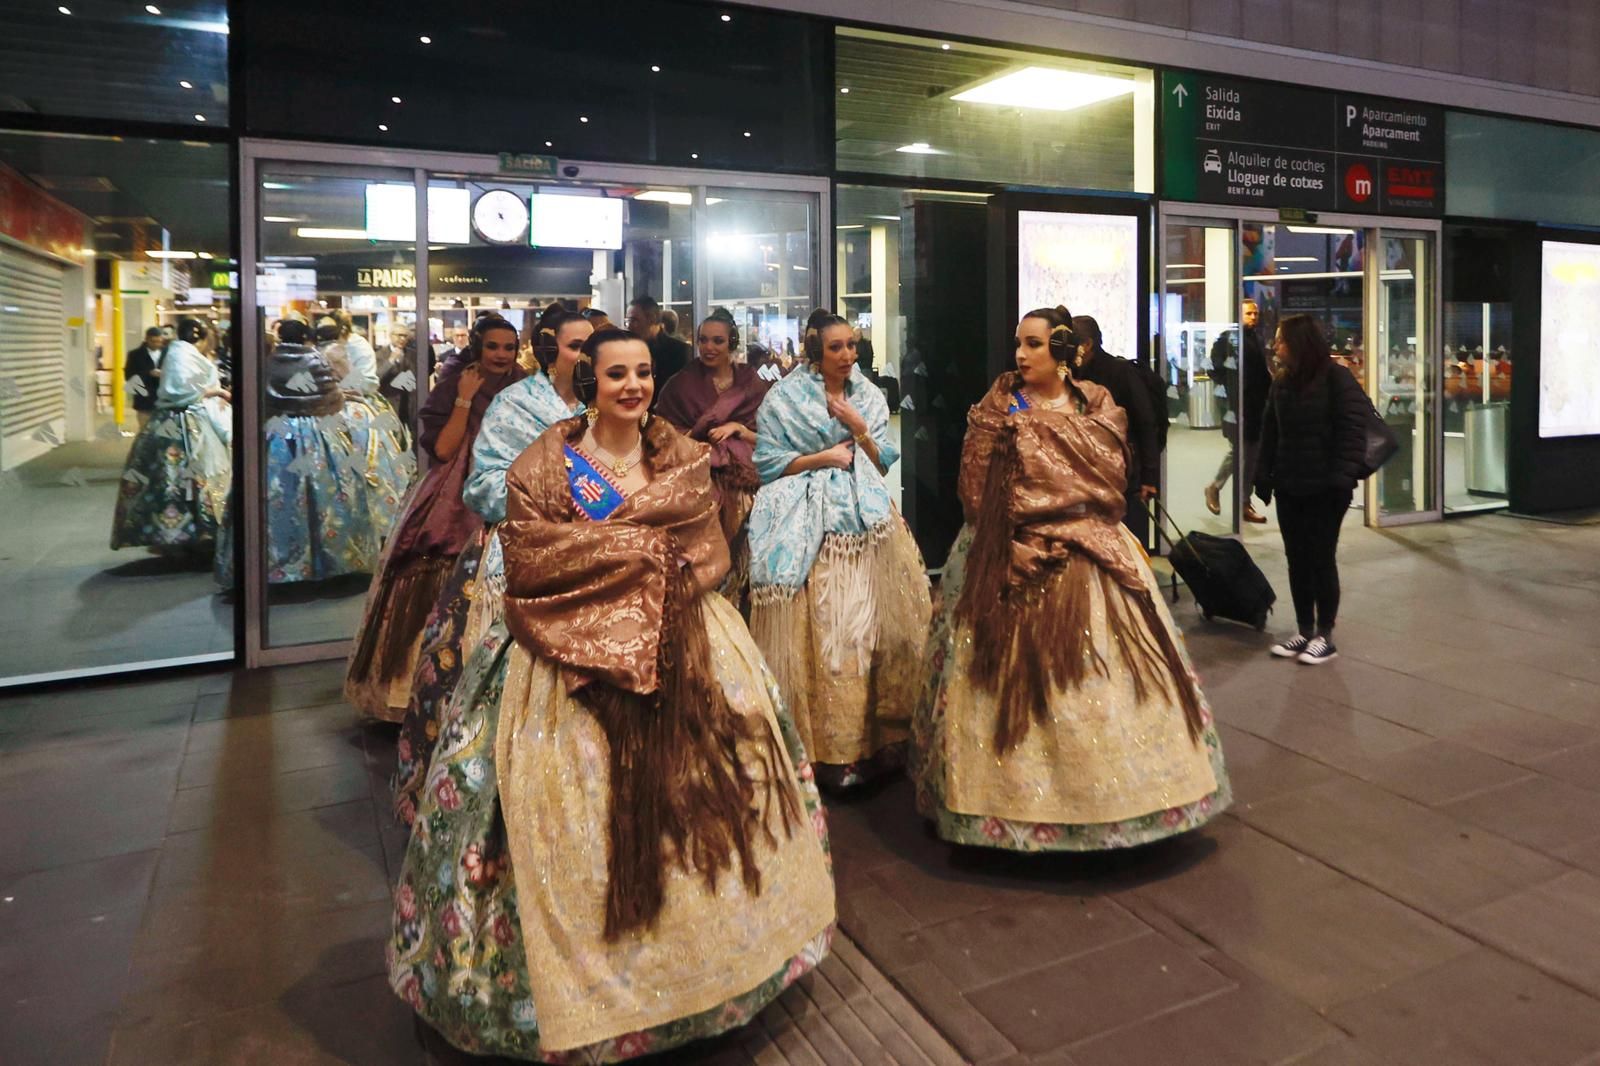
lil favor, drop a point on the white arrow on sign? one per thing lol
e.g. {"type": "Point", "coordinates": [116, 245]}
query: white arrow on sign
{"type": "Point", "coordinates": [1181, 93]}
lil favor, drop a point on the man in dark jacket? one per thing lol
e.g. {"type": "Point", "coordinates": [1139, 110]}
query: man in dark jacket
{"type": "Point", "coordinates": [1121, 379]}
{"type": "Point", "coordinates": [144, 365]}
{"type": "Point", "coordinates": [1242, 422]}
{"type": "Point", "coordinates": [670, 354]}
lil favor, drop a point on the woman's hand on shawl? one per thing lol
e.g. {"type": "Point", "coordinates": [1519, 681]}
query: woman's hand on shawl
{"type": "Point", "coordinates": [721, 433]}
{"type": "Point", "coordinates": [470, 381]}
{"type": "Point", "coordinates": [845, 411]}
{"type": "Point", "coordinates": [839, 457]}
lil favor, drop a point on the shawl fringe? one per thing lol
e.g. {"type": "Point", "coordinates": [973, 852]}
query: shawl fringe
{"type": "Point", "coordinates": [1037, 639]}
{"type": "Point", "coordinates": [399, 613]}
{"type": "Point", "coordinates": [680, 791]}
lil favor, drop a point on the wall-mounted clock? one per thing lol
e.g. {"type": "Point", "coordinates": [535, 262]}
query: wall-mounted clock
{"type": "Point", "coordinates": [500, 216]}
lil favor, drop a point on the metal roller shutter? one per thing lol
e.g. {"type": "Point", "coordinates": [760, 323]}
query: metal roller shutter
{"type": "Point", "coordinates": [33, 385]}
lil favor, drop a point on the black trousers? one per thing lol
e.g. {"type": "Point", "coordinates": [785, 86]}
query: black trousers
{"type": "Point", "coordinates": [1310, 527]}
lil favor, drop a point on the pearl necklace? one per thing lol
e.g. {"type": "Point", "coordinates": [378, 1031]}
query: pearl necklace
{"type": "Point", "coordinates": [621, 465]}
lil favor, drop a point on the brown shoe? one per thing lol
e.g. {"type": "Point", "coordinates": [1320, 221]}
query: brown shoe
{"type": "Point", "coordinates": [1253, 515]}
{"type": "Point", "coordinates": [1213, 499]}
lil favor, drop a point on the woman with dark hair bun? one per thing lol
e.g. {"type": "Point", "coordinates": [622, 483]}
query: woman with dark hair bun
{"type": "Point", "coordinates": [514, 420]}
{"type": "Point", "coordinates": [1061, 712]}
{"type": "Point", "coordinates": [1313, 445]}
{"type": "Point", "coordinates": [174, 489]}
{"type": "Point", "coordinates": [319, 521]}
{"type": "Point", "coordinates": [838, 590]}
{"type": "Point", "coordinates": [619, 849]}
{"type": "Point", "coordinates": [714, 400]}
{"type": "Point", "coordinates": [434, 526]}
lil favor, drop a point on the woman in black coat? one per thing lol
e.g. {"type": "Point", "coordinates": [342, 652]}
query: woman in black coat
{"type": "Point", "coordinates": [1312, 445]}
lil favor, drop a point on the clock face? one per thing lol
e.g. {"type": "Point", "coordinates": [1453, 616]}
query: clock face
{"type": "Point", "coordinates": [500, 216]}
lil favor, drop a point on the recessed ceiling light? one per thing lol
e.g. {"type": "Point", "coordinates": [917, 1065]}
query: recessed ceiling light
{"type": "Point", "coordinates": [727, 18]}
{"type": "Point", "coordinates": [845, 89]}
{"type": "Point", "coordinates": [747, 133]}
{"type": "Point", "coordinates": [153, 9]}
{"type": "Point", "coordinates": [549, 144]}
{"type": "Point", "coordinates": [919, 148]}
{"type": "Point", "coordinates": [654, 69]}
{"type": "Point", "coordinates": [944, 48]}
{"type": "Point", "coordinates": [65, 10]}
{"type": "Point", "coordinates": [1046, 89]}
{"type": "Point", "coordinates": [394, 100]}
{"type": "Point", "coordinates": [583, 118]}
{"type": "Point", "coordinates": [187, 84]}
{"type": "Point", "coordinates": [694, 155]}
{"type": "Point", "coordinates": [382, 127]}
{"type": "Point", "coordinates": [199, 118]}
{"type": "Point", "coordinates": [425, 39]}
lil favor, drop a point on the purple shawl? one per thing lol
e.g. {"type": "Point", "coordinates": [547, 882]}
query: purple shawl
{"type": "Point", "coordinates": [691, 402]}
{"type": "Point", "coordinates": [436, 522]}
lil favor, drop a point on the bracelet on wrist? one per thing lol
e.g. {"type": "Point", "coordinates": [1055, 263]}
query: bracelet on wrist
{"type": "Point", "coordinates": [465, 405]}
{"type": "Point", "coordinates": [862, 438]}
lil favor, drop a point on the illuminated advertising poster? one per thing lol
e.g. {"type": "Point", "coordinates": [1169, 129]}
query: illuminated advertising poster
{"type": "Point", "coordinates": [1090, 263]}
{"type": "Point", "coordinates": [1569, 336]}
{"type": "Point", "coordinates": [576, 222]}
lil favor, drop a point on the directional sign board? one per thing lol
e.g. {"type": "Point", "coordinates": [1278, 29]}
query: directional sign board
{"type": "Point", "coordinates": [1259, 144]}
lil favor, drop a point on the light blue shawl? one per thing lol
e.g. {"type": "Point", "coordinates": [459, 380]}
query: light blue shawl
{"type": "Point", "coordinates": [185, 376]}
{"type": "Point", "coordinates": [513, 421]}
{"type": "Point", "coordinates": [793, 513]}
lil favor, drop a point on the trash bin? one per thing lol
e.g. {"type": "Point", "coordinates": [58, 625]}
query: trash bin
{"type": "Point", "coordinates": [1203, 403]}
{"type": "Point", "coordinates": [1485, 460]}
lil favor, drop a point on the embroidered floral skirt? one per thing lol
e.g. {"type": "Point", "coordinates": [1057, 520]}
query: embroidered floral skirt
{"type": "Point", "coordinates": [440, 658]}
{"type": "Point", "coordinates": [847, 649]}
{"type": "Point", "coordinates": [319, 518]}
{"type": "Point", "coordinates": [1105, 771]}
{"type": "Point", "coordinates": [498, 959]}
{"type": "Point", "coordinates": [174, 487]}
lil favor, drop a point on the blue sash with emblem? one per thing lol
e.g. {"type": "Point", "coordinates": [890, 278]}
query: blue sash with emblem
{"type": "Point", "coordinates": [1019, 402]}
{"type": "Point", "coordinates": [592, 491]}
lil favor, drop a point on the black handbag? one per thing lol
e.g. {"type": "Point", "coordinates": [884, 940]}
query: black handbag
{"type": "Point", "coordinates": [1379, 442]}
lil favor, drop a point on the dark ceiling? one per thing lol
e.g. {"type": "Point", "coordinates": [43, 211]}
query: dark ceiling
{"type": "Point", "coordinates": [111, 59]}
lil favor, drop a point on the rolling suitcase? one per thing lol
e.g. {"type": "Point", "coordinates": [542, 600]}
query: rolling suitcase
{"type": "Point", "coordinates": [1219, 571]}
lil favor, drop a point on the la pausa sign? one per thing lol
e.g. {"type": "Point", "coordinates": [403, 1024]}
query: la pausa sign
{"type": "Point", "coordinates": [402, 277]}
{"type": "Point", "coordinates": [1234, 141]}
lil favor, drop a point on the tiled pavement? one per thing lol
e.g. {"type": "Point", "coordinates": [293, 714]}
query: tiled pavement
{"type": "Point", "coordinates": [196, 870]}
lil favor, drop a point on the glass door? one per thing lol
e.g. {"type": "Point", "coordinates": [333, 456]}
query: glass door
{"type": "Point", "coordinates": [1403, 377]}
{"type": "Point", "coordinates": [1200, 336]}
{"type": "Point", "coordinates": [761, 264]}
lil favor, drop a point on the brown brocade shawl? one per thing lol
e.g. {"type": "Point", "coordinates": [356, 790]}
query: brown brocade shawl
{"type": "Point", "coordinates": [1044, 491]}
{"type": "Point", "coordinates": [691, 402]}
{"type": "Point", "coordinates": [617, 604]}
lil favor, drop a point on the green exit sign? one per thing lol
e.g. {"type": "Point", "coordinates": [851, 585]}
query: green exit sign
{"type": "Point", "coordinates": [543, 166]}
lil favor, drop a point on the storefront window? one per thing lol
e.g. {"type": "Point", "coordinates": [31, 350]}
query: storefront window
{"type": "Point", "coordinates": [927, 108]}
{"type": "Point", "coordinates": [166, 63]}
{"type": "Point", "coordinates": [1478, 366]}
{"type": "Point", "coordinates": [116, 307]}
{"type": "Point", "coordinates": [643, 81]}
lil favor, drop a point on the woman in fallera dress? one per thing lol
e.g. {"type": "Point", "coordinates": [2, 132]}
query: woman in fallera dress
{"type": "Point", "coordinates": [1061, 712]}
{"type": "Point", "coordinates": [618, 848]}
{"type": "Point", "coordinates": [174, 487]}
{"type": "Point", "coordinates": [319, 520]}
{"type": "Point", "coordinates": [380, 438]}
{"type": "Point", "coordinates": [838, 591]}
{"type": "Point", "coordinates": [714, 400]}
{"type": "Point", "coordinates": [433, 529]}
{"type": "Point", "coordinates": [514, 420]}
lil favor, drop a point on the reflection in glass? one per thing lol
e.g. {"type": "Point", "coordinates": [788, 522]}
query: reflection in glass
{"type": "Point", "coordinates": [336, 296]}
{"type": "Point", "coordinates": [1476, 402]}
{"type": "Point", "coordinates": [115, 317]}
{"type": "Point", "coordinates": [763, 266]}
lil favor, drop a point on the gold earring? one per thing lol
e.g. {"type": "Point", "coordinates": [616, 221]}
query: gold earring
{"type": "Point", "coordinates": [591, 413]}
{"type": "Point", "coordinates": [644, 423]}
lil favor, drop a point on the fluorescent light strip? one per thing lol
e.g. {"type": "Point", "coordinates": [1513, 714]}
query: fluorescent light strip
{"type": "Point", "coordinates": [1334, 231]}
{"type": "Point", "coordinates": [173, 255]}
{"type": "Point", "coordinates": [1046, 89]}
{"type": "Point", "coordinates": [1296, 259]}
{"type": "Point", "coordinates": [1185, 266]}
{"type": "Point", "coordinates": [665, 196]}
{"type": "Point", "coordinates": [919, 148]}
{"type": "Point", "coordinates": [321, 233]}
{"type": "Point", "coordinates": [1318, 276]}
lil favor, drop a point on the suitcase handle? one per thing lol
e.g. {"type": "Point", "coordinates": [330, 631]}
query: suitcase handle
{"type": "Point", "coordinates": [1159, 512]}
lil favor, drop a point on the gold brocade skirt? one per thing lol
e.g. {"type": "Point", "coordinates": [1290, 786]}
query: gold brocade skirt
{"type": "Point", "coordinates": [847, 647]}
{"type": "Point", "coordinates": [707, 947]}
{"type": "Point", "coordinates": [1103, 758]}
